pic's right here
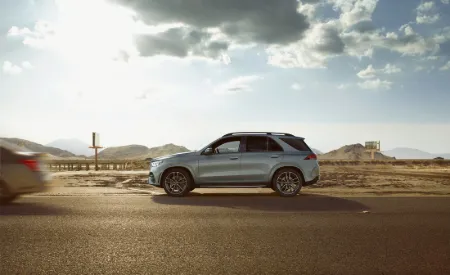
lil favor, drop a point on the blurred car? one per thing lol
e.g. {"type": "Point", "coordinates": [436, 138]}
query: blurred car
{"type": "Point", "coordinates": [21, 172]}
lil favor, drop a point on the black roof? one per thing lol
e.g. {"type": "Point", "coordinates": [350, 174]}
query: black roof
{"type": "Point", "coordinates": [263, 133]}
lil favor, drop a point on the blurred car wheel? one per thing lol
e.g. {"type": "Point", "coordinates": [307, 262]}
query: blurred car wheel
{"type": "Point", "coordinates": [5, 196]}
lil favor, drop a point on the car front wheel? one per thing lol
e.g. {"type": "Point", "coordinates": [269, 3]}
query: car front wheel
{"type": "Point", "coordinates": [5, 196]}
{"type": "Point", "coordinates": [287, 182]}
{"type": "Point", "coordinates": [177, 182]}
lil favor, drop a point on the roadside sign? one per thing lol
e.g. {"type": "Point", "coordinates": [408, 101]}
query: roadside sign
{"type": "Point", "coordinates": [95, 139]}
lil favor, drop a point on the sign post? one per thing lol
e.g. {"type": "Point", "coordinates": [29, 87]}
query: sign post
{"type": "Point", "coordinates": [96, 146]}
{"type": "Point", "coordinates": [372, 147]}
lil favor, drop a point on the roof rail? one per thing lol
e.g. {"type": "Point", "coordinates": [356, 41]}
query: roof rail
{"type": "Point", "coordinates": [265, 133]}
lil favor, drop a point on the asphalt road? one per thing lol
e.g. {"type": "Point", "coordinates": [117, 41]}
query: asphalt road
{"type": "Point", "coordinates": [225, 234]}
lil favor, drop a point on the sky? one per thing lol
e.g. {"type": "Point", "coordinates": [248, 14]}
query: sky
{"type": "Point", "coordinates": [335, 72]}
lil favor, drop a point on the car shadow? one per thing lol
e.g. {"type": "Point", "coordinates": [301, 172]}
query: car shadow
{"type": "Point", "coordinates": [266, 202]}
{"type": "Point", "coordinates": [30, 209]}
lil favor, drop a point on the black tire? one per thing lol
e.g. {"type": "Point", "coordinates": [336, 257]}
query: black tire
{"type": "Point", "coordinates": [5, 196]}
{"type": "Point", "coordinates": [292, 175]}
{"type": "Point", "coordinates": [180, 175]}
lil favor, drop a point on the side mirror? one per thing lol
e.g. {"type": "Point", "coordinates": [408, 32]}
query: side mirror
{"type": "Point", "coordinates": [208, 151]}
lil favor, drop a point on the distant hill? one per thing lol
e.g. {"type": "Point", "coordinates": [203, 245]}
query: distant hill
{"type": "Point", "coordinates": [317, 152]}
{"type": "Point", "coordinates": [73, 145]}
{"type": "Point", "coordinates": [26, 145]}
{"type": "Point", "coordinates": [352, 152]}
{"type": "Point", "coordinates": [410, 153]}
{"type": "Point", "coordinates": [140, 151]}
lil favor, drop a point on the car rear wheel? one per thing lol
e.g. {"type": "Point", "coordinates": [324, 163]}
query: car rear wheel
{"type": "Point", "coordinates": [177, 182]}
{"type": "Point", "coordinates": [5, 196]}
{"type": "Point", "coordinates": [287, 182]}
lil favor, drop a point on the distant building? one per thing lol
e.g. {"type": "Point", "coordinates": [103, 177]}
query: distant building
{"type": "Point", "coordinates": [439, 158]}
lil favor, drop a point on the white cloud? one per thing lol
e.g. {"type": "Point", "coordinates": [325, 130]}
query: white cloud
{"type": "Point", "coordinates": [354, 11]}
{"type": "Point", "coordinates": [445, 1]}
{"type": "Point", "coordinates": [16, 31]}
{"type": "Point", "coordinates": [13, 69]}
{"type": "Point", "coordinates": [370, 72]}
{"type": "Point", "coordinates": [432, 57]}
{"type": "Point", "coordinates": [237, 85]}
{"type": "Point", "coordinates": [27, 65]}
{"type": "Point", "coordinates": [297, 87]}
{"type": "Point", "coordinates": [376, 84]}
{"type": "Point", "coordinates": [445, 67]}
{"type": "Point", "coordinates": [426, 6]}
{"type": "Point", "coordinates": [390, 69]}
{"type": "Point", "coordinates": [352, 34]}
{"type": "Point", "coordinates": [427, 19]}
{"type": "Point", "coordinates": [10, 68]}
{"type": "Point", "coordinates": [426, 13]}
{"type": "Point", "coordinates": [343, 86]}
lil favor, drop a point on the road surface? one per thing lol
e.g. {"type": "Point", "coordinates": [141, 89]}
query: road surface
{"type": "Point", "coordinates": [132, 233]}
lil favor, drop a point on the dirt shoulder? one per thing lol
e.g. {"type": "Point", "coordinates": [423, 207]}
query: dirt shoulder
{"type": "Point", "coordinates": [336, 180]}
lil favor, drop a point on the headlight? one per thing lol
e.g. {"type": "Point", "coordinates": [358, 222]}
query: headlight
{"type": "Point", "coordinates": [156, 163]}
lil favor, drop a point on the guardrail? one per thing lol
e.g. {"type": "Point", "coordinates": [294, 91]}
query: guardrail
{"type": "Point", "coordinates": [79, 165]}
{"type": "Point", "coordinates": [396, 162]}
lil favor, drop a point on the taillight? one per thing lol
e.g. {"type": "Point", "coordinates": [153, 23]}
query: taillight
{"type": "Point", "coordinates": [311, 156]}
{"type": "Point", "coordinates": [32, 164]}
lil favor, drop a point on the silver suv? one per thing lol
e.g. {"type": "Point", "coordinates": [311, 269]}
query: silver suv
{"type": "Point", "coordinates": [279, 161]}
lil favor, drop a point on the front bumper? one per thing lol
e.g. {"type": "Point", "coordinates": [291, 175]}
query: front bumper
{"type": "Point", "coordinates": [154, 176]}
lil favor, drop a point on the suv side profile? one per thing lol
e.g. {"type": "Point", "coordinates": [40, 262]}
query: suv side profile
{"type": "Point", "coordinates": [280, 161]}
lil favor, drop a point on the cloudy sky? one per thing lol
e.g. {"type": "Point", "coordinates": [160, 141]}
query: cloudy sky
{"type": "Point", "coordinates": [185, 72]}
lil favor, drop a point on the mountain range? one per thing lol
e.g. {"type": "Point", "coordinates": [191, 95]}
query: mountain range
{"type": "Point", "coordinates": [140, 152]}
{"type": "Point", "coordinates": [74, 148]}
{"type": "Point", "coordinates": [29, 146]}
{"type": "Point", "coordinates": [73, 145]}
{"type": "Point", "coordinates": [410, 153]}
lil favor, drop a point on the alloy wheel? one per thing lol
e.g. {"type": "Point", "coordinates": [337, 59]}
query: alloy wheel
{"type": "Point", "coordinates": [288, 183]}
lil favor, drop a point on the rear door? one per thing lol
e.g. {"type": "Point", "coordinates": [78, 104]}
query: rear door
{"type": "Point", "coordinates": [224, 165]}
{"type": "Point", "coordinates": [260, 155]}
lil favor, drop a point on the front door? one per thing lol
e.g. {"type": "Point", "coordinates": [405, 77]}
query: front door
{"type": "Point", "coordinates": [224, 165]}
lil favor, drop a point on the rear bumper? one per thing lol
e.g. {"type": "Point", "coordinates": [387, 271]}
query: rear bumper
{"type": "Point", "coordinates": [311, 182]}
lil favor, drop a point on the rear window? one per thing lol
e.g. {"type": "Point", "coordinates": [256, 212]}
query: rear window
{"type": "Point", "coordinates": [297, 143]}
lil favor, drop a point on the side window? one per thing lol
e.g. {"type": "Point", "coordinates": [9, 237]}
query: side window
{"type": "Point", "coordinates": [256, 144]}
{"type": "Point", "coordinates": [274, 146]}
{"type": "Point", "coordinates": [297, 143]}
{"type": "Point", "coordinates": [228, 145]}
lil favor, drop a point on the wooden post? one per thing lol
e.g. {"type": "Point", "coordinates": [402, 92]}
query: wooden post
{"type": "Point", "coordinates": [96, 159]}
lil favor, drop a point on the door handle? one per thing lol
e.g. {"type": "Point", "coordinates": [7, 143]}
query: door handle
{"type": "Point", "coordinates": [275, 156]}
{"type": "Point", "coordinates": [234, 158]}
